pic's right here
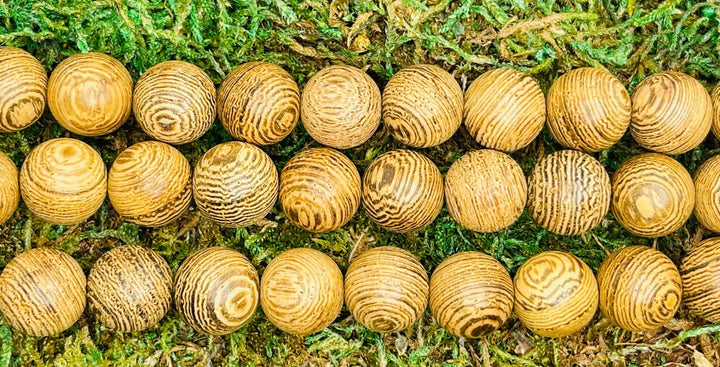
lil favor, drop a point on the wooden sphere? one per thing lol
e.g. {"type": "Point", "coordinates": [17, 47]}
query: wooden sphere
{"type": "Point", "coordinates": [259, 103]}
{"type": "Point", "coordinates": [653, 195]}
{"type": "Point", "coordinates": [90, 94]}
{"type": "Point", "coordinates": [471, 294]}
{"type": "Point", "coordinates": [485, 190]}
{"type": "Point", "coordinates": [386, 289]}
{"type": "Point", "coordinates": [63, 181]}
{"type": "Point", "coordinates": [9, 188]}
{"type": "Point", "coordinates": [671, 113]}
{"type": "Point", "coordinates": [422, 106]}
{"type": "Point", "coordinates": [556, 294]}
{"type": "Point", "coordinates": [700, 272]}
{"type": "Point", "coordinates": [302, 291]}
{"type": "Point", "coordinates": [568, 192]}
{"type": "Point", "coordinates": [640, 288]}
{"type": "Point", "coordinates": [715, 98]}
{"type": "Point", "coordinates": [707, 194]}
{"type": "Point", "coordinates": [402, 191]}
{"type": "Point", "coordinates": [149, 184]}
{"type": "Point", "coordinates": [341, 106]}
{"type": "Point", "coordinates": [23, 89]}
{"type": "Point", "coordinates": [319, 189]}
{"type": "Point", "coordinates": [174, 102]}
{"type": "Point", "coordinates": [504, 109]}
{"type": "Point", "coordinates": [217, 290]}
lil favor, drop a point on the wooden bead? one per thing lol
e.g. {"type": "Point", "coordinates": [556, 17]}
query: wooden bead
{"type": "Point", "coordinates": [149, 184]}
{"type": "Point", "coordinates": [504, 109]}
{"type": "Point", "coordinates": [422, 106]}
{"type": "Point", "coordinates": [568, 192]}
{"type": "Point", "coordinates": [588, 109]}
{"type": "Point", "coordinates": [715, 98]}
{"type": "Point", "coordinates": [653, 195]}
{"type": "Point", "coordinates": [129, 288]}
{"type": "Point", "coordinates": [90, 94]}
{"type": "Point", "coordinates": [259, 103]}
{"type": "Point", "coordinates": [707, 194]}
{"type": "Point", "coordinates": [672, 113]}
{"type": "Point", "coordinates": [302, 291]}
{"type": "Point", "coordinates": [640, 288]}
{"type": "Point", "coordinates": [386, 289]}
{"type": "Point", "coordinates": [63, 181]}
{"type": "Point", "coordinates": [341, 107]}
{"type": "Point", "coordinates": [9, 188]}
{"type": "Point", "coordinates": [174, 102]}
{"type": "Point", "coordinates": [217, 290]}
{"type": "Point", "coordinates": [556, 294]}
{"type": "Point", "coordinates": [471, 294]}
{"type": "Point", "coordinates": [402, 191]}
{"type": "Point", "coordinates": [485, 190]}
{"type": "Point", "coordinates": [700, 272]}
{"type": "Point", "coordinates": [319, 189]}
{"type": "Point", "coordinates": [42, 292]}
{"type": "Point", "coordinates": [23, 89]}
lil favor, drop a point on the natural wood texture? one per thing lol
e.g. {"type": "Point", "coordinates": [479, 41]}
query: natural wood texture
{"type": "Point", "coordinates": [259, 103]}
{"type": "Point", "coordinates": [217, 290]}
{"type": "Point", "coordinates": [715, 98]}
{"type": "Point", "coordinates": [504, 109]}
{"type": "Point", "coordinates": [556, 294]}
{"type": "Point", "coordinates": [671, 113]}
{"type": "Point", "coordinates": [319, 189]}
{"type": "Point", "coordinates": [63, 181]}
{"type": "Point", "coordinates": [402, 191]}
{"type": "Point", "coordinates": [588, 109]}
{"type": "Point", "coordinates": [174, 102]}
{"type": "Point", "coordinates": [129, 288]}
{"type": "Point", "coordinates": [235, 184]}
{"type": "Point", "coordinates": [640, 288]}
{"type": "Point", "coordinates": [150, 184]}
{"type": "Point", "coordinates": [341, 106]}
{"type": "Point", "coordinates": [9, 188]}
{"type": "Point", "coordinates": [707, 194]}
{"type": "Point", "coordinates": [302, 291]}
{"type": "Point", "coordinates": [568, 192]}
{"type": "Point", "coordinates": [422, 106]}
{"type": "Point", "coordinates": [471, 294]}
{"type": "Point", "coordinates": [90, 94]}
{"type": "Point", "coordinates": [653, 195]}
{"type": "Point", "coordinates": [386, 289]}
{"type": "Point", "coordinates": [485, 190]}
{"type": "Point", "coordinates": [23, 89]}
{"type": "Point", "coordinates": [700, 272]}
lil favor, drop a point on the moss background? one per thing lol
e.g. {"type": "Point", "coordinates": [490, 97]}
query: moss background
{"type": "Point", "coordinates": [544, 38]}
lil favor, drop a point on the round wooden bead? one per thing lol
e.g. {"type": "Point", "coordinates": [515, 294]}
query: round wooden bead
{"type": "Point", "coordinates": [302, 291]}
{"type": "Point", "coordinates": [402, 191]}
{"type": "Point", "coordinates": [707, 194]}
{"type": "Point", "coordinates": [422, 106]}
{"type": "Point", "coordinates": [217, 290]}
{"type": "Point", "coordinates": [640, 288]}
{"type": "Point", "coordinates": [653, 195]}
{"type": "Point", "coordinates": [90, 94]}
{"type": "Point", "coordinates": [471, 294]}
{"type": "Point", "coordinates": [700, 272]}
{"type": "Point", "coordinates": [671, 113]}
{"type": "Point", "coordinates": [485, 190]}
{"type": "Point", "coordinates": [568, 192]}
{"type": "Point", "coordinates": [504, 109]}
{"type": "Point", "coordinates": [715, 98]}
{"type": "Point", "coordinates": [341, 106]}
{"type": "Point", "coordinates": [23, 89]}
{"type": "Point", "coordinates": [588, 109]}
{"type": "Point", "coordinates": [9, 188]}
{"type": "Point", "coordinates": [259, 103]}
{"type": "Point", "coordinates": [174, 102]}
{"type": "Point", "coordinates": [63, 181]}
{"type": "Point", "coordinates": [149, 184]}
{"type": "Point", "coordinates": [42, 292]}
{"type": "Point", "coordinates": [386, 289]}
{"type": "Point", "coordinates": [556, 294]}
{"type": "Point", "coordinates": [319, 189]}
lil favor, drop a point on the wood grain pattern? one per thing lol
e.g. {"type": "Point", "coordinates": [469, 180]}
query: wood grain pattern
{"type": "Point", "coordinates": [715, 99]}
{"type": "Point", "coordinates": [707, 194]}
{"type": "Point", "coordinates": [9, 188]}
{"type": "Point", "coordinates": [23, 89]}
{"type": "Point", "coordinates": [700, 272]}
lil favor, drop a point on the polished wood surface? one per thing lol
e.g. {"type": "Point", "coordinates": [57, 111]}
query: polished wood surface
{"type": "Point", "coordinates": [23, 89]}
{"type": "Point", "coordinates": [700, 272]}
{"type": "Point", "coordinates": [707, 194]}
{"type": "Point", "coordinates": [9, 188]}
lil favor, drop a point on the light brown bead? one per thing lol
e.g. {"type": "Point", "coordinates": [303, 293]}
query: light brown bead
{"type": "Point", "coordinates": [302, 291]}
{"type": "Point", "coordinates": [504, 109]}
{"type": "Point", "coordinates": [700, 272]}
{"type": "Point", "coordinates": [707, 194]}
{"type": "Point", "coordinates": [402, 191]}
{"type": "Point", "coordinates": [471, 294]}
{"type": "Point", "coordinates": [653, 195]}
{"type": "Point", "coordinates": [23, 89]}
{"type": "Point", "coordinates": [715, 98]}
{"type": "Point", "coordinates": [386, 289]}
{"type": "Point", "coordinates": [217, 290]}
{"type": "Point", "coordinates": [90, 94]}
{"type": "Point", "coordinates": [9, 188]}
{"type": "Point", "coordinates": [259, 103]}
